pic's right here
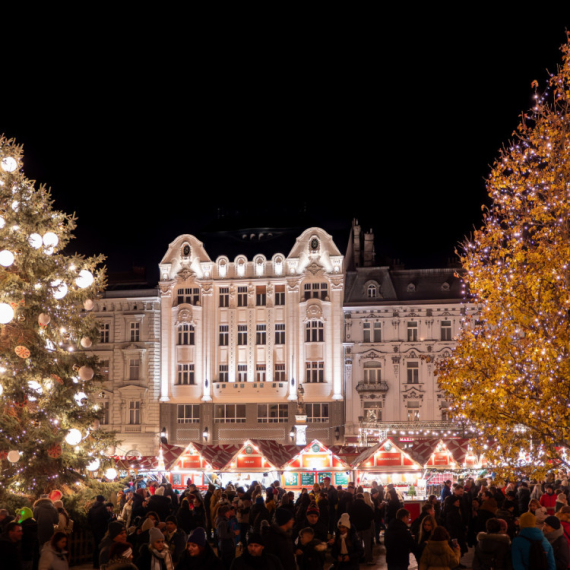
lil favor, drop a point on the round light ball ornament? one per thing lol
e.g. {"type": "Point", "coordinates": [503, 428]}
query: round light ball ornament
{"type": "Point", "coordinates": [86, 373]}
{"type": "Point", "coordinates": [94, 465]}
{"type": "Point", "coordinates": [9, 164]}
{"type": "Point", "coordinates": [50, 239]}
{"type": "Point", "coordinates": [88, 304]}
{"type": "Point", "coordinates": [60, 289]}
{"type": "Point", "coordinates": [44, 319]}
{"type": "Point", "coordinates": [35, 241]}
{"type": "Point", "coordinates": [13, 456]}
{"type": "Point", "coordinates": [111, 473]}
{"type": "Point", "coordinates": [6, 313]}
{"type": "Point", "coordinates": [6, 258]}
{"type": "Point", "coordinates": [55, 451]}
{"type": "Point", "coordinates": [86, 342]}
{"type": "Point", "coordinates": [85, 279]}
{"type": "Point", "coordinates": [73, 437]}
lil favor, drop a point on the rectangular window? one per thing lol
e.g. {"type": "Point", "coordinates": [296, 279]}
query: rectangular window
{"type": "Point", "coordinates": [104, 369]}
{"type": "Point", "coordinates": [412, 331]}
{"type": "Point", "coordinates": [229, 413]}
{"type": "Point", "coordinates": [135, 332]}
{"type": "Point", "coordinates": [279, 295]}
{"type": "Point", "coordinates": [317, 413]}
{"type": "Point", "coordinates": [223, 373]}
{"type": "Point", "coordinates": [105, 417]}
{"type": "Point", "coordinates": [134, 413]}
{"type": "Point", "coordinates": [242, 335]}
{"type": "Point", "coordinates": [242, 373]}
{"type": "Point", "coordinates": [372, 372]}
{"type": "Point", "coordinates": [190, 295]}
{"type": "Point", "coordinates": [185, 375]}
{"type": "Point", "coordinates": [316, 291]}
{"type": "Point", "coordinates": [224, 335]}
{"type": "Point", "coordinates": [188, 414]}
{"type": "Point", "coordinates": [377, 332]}
{"type": "Point", "coordinates": [104, 332]}
{"type": "Point", "coordinates": [280, 333]}
{"type": "Point", "coordinates": [445, 330]}
{"type": "Point", "coordinates": [444, 411]}
{"type": "Point", "coordinates": [373, 411]}
{"type": "Point", "coordinates": [185, 335]}
{"type": "Point", "coordinates": [260, 334]}
{"type": "Point", "coordinates": [314, 331]}
{"type": "Point", "coordinates": [413, 372]}
{"type": "Point", "coordinates": [134, 367]}
{"type": "Point", "coordinates": [242, 297]}
{"type": "Point", "coordinates": [224, 296]}
{"type": "Point", "coordinates": [365, 332]}
{"type": "Point", "coordinates": [315, 372]}
{"type": "Point", "coordinates": [272, 413]}
{"type": "Point", "coordinates": [280, 373]}
{"type": "Point", "coordinates": [260, 295]}
{"type": "Point", "coordinates": [413, 411]}
{"type": "Point", "coordinates": [261, 372]}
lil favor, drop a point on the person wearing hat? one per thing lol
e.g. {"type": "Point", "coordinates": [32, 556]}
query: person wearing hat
{"type": "Point", "coordinates": [278, 539]}
{"type": "Point", "coordinates": [175, 537]}
{"type": "Point", "coordinates": [255, 556]}
{"type": "Point", "coordinates": [493, 547]}
{"type": "Point", "coordinates": [226, 534]}
{"type": "Point", "coordinates": [29, 545]}
{"type": "Point", "coordinates": [521, 544]}
{"type": "Point", "coordinates": [121, 557]}
{"type": "Point", "coordinates": [155, 555]}
{"type": "Point", "coordinates": [46, 516]}
{"type": "Point", "coordinates": [116, 532]}
{"type": "Point", "coordinates": [347, 546]}
{"type": "Point", "coordinates": [97, 518]}
{"type": "Point", "coordinates": [312, 521]}
{"type": "Point", "coordinates": [554, 533]}
{"type": "Point", "coordinates": [199, 554]}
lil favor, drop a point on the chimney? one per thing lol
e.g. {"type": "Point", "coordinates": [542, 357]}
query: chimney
{"type": "Point", "coordinates": [369, 254]}
{"type": "Point", "coordinates": [356, 242]}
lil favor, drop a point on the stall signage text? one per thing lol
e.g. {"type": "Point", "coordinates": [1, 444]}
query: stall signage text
{"type": "Point", "coordinates": [249, 462]}
{"type": "Point", "coordinates": [316, 461]}
{"type": "Point", "coordinates": [384, 458]}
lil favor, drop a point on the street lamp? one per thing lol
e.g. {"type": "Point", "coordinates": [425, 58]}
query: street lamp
{"type": "Point", "coordinates": [292, 434]}
{"type": "Point", "coordinates": [205, 434]}
{"type": "Point", "coordinates": [337, 433]}
{"type": "Point", "coordinates": [163, 436]}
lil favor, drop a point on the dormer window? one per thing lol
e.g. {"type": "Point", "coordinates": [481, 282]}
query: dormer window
{"type": "Point", "coordinates": [371, 292]}
{"type": "Point", "coordinates": [411, 288]}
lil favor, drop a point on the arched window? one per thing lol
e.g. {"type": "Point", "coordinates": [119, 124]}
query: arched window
{"type": "Point", "coordinates": [185, 334]}
{"type": "Point", "coordinates": [372, 372]}
{"type": "Point", "coordinates": [371, 292]}
{"type": "Point", "coordinates": [315, 331]}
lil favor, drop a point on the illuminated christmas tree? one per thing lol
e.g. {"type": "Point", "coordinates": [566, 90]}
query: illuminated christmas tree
{"type": "Point", "coordinates": [49, 416]}
{"type": "Point", "coordinates": [509, 377]}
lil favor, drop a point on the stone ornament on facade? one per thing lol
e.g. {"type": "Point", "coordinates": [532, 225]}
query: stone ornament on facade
{"type": "Point", "coordinates": [337, 283]}
{"type": "Point", "coordinates": [414, 393]}
{"type": "Point", "coordinates": [315, 269]}
{"type": "Point", "coordinates": [184, 315]}
{"type": "Point", "coordinates": [207, 288]}
{"type": "Point", "coordinates": [293, 285]}
{"type": "Point", "coordinates": [314, 310]}
{"type": "Point", "coordinates": [185, 273]}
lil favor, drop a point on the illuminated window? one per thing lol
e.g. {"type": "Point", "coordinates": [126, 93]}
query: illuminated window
{"type": "Point", "coordinates": [412, 331]}
{"type": "Point", "coordinates": [445, 330]}
{"type": "Point", "coordinates": [134, 412]}
{"type": "Point", "coordinates": [261, 372]}
{"type": "Point", "coordinates": [185, 375]}
{"type": "Point", "coordinates": [315, 372]}
{"type": "Point", "coordinates": [224, 335]}
{"type": "Point", "coordinates": [372, 372]}
{"type": "Point", "coordinates": [223, 373]}
{"type": "Point", "coordinates": [188, 414]}
{"type": "Point", "coordinates": [413, 410]}
{"type": "Point", "coordinates": [190, 295]}
{"type": "Point", "coordinates": [260, 296]}
{"type": "Point", "coordinates": [261, 334]}
{"type": "Point", "coordinates": [314, 331]}
{"type": "Point", "coordinates": [104, 333]}
{"type": "Point", "coordinates": [280, 333]}
{"type": "Point", "coordinates": [229, 413]}
{"type": "Point", "coordinates": [413, 369]}
{"type": "Point", "coordinates": [317, 413]}
{"type": "Point", "coordinates": [373, 411]}
{"type": "Point", "coordinates": [242, 296]}
{"type": "Point", "coordinates": [135, 332]}
{"type": "Point", "coordinates": [224, 296]}
{"type": "Point", "coordinates": [280, 373]}
{"type": "Point", "coordinates": [316, 291]}
{"type": "Point", "coordinates": [185, 334]}
{"type": "Point", "coordinates": [272, 413]}
{"type": "Point", "coordinates": [279, 294]}
{"type": "Point", "coordinates": [445, 411]}
{"type": "Point", "coordinates": [242, 335]}
{"type": "Point", "coordinates": [134, 368]}
{"type": "Point", "coordinates": [242, 373]}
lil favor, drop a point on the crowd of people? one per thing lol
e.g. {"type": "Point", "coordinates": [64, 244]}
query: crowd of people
{"type": "Point", "coordinates": [150, 526]}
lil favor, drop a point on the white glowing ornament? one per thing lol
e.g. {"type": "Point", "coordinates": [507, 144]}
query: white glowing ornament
{"type": "Point", "coordinates": [85, 279]}
{"type": "Point", "coordinates": [50, 239]}
{"type": "Point", "coordinates": [14, 456]}
{"type": "Point", "coordinates": [6, 313]}
{"type": "Point", "coordinates": [1, 389]}
{"type": "Point", "coordinates": [35, 240]}
{"type": "Point", "coordinates": [79, 397]}
{"type": "Point", "coordinates": [60, 290]}
{"type": "Point", "coordinates": [44, 319]}
{"type": "Point", "coordinates": [73, 437]}
{"type": "Point", "coordinates": [2, 222]}
{"type": "Point", "coordinates": [86, 342]}
{"type": "Point", "coordinates": [6, 258]}
{"type": "Point", "coordinates": [88, 304]}
{"type": "Point", "coordinates": [9, 164]}
{"type": "Point", "coordinates": [94, 465]}
{"type": "Point", "coordinates": [111, 473]}
{"type": "Point", "coordinates": [86, 373]}
{"type": "Point", "coordinates": [15, 205]}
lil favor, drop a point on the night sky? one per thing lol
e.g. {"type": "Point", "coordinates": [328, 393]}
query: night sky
{"type": "Point", "coordinates": [396, 126]}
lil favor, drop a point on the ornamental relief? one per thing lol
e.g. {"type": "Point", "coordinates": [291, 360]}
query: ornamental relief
{"type": "Point", "coordinates": [166, 288]}
{"type": "Point", "coordinates": [337, 283]}
{"type": "Point", "coordinates": [414, 394]}
{"type": "Point", "coordinates": [315, 269]}
{"type": "Point", "coordinates": [207, 288]}
{"type": "Point", "coordinates": [314, 310]}
{"type": "Point", "coordinates": [184, 315]}
{"type": "Point", "coordinates": [185, 273]}
{"type": "Point", "coordinates": [293, 285]}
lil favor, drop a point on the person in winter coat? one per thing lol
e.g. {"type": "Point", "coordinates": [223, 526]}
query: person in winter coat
{"type": "Point", "coordinates": [199, 554]}
{"type": "Point", "coordinates": [538, 511]}
{"type": "Point", "coordinates": [259, 513]}
{"type": "Point", "coordinates": [506, 513]}
{"type": "Point", "coordinates": [175, 538]}
{"type": "Point", "coordinates": [54, 553]}
{"type": "Point", "coordinates": [198, 513]}
{"type": "Point", "coordinates": [554, 533]}
{"type": "Point", "coordinates": [493, 548]}
{"type": "Point", "coordinates": [523, 497]}
{"type": "Point", "coordinates": [437, 554]}
{"type": "Point", "coordinates": [564, 515]}
{"type": "Point", "coordinates": [310, 552]}
{"type": "Point", "coordinates": [116, 532]}
{"type": "Point", "coordinates": [454, 522]}
{"type": "Point", "coordinates": [347, 547]}
{"type": "Point", "coordinates": [9, 546]}
{"type": "Point", "coordinates": [445, 491]}
{"type": "Point", "coordinates": [47, 517]}
{"type": "Point", "coordinates": [97, 518]}
{"type": "Point", "coordinates": [29, 549]}
{"type": "Point", "coordinates": [120, 557]}
{"type": "Point", "coordinates": [362, 516]}
{"type": "Point", "coordinates": [428, 525]}
{"type": "Point", "coordinates": [155, 555]}
{"type": "Point", "coordinates": [278, 540]}
{"type": "Point", "coordinates": [160, 504]}
{"type": "Point", "coordinates": [226, 535]}
{"type": "Point", "coordinates": [486, 511]}
{"type": "Point", "coordinates": [312, 521]}
{"type": "Point", "coordinates": [548, 500]}
{"type": "Point", "coordinates": [521, 544]}
{"type": "Point", "coordinates": [561, 501]}
{"type": "Point", "coordinates": [255, 557]}
{"type": "Point", "coordinates": [398, 541]}
{"type": "Point", "coordinates": [184, 517]}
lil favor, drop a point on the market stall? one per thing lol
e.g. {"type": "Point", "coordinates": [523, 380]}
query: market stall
{"type": "Point", "coordinates": [312, 464]}
{"type": "Point", "coordinates": [191, 466]}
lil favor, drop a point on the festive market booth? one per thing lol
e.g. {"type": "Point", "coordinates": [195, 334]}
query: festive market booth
{"type": "Point", "coordinates": [133, 463]}
{"type": "Point", "coordinates": [256, 460]}
{"type": "Point", "coordinates": [312, 464]}
{"type": "Point", "coordinates": [192, 466]}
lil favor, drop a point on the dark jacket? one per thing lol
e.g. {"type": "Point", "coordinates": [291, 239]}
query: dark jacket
{"type": "Point", "coordinates": [279, 543]}
{"type": "Point", "coordinates": [226, 536]}
{"type": "Point", "coordinates": [46, 516]}
{"type": "Point", "coordinates": [354, 547]}
{"type": "Point", "coordinates": [399, 543]}
{"type": "Point", "coordinates": [206, 561]}
{"type": "Point", "coordinates": [198, 517]}
{"type": "Point", "coordinates": [161, 505]}
{"type": "Point", "coordinates": [313, 557]}
{"type": "Point", "coordinates": [29, 545]}
{"type": "Point", "coordinates": [524, 499]}
{"type": "Point", "coordinates": [9, 554]}
{"type": "Point", "coordinates": [320, 529]}
{"type": "Point", "coordinates": [492, 551]}
{"type": "Point", "coordinates": [144, 560]}
{"type": "Point", "coordinates": [177, 543]}
{"type": "Point", "coordinates": [559, 548]}
{"type": "Point", "coordinates": [361, 515]}
{"type": "Point", "coordinates": [98, 518]}
{"type": "Point", "coordinates": [264, 562]}
{"type": "Point", "coordinates": [185, 519]}
{"type": "Point", "coordinates": [119, 564]}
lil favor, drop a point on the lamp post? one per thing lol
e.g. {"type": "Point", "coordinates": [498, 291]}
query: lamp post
{"type": "Point", "coordinates": [300, 418]}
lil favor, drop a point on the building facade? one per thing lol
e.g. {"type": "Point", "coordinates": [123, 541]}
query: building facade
{"type": "Point", "coordinates": [243, 329]}
{"type": "Point", "coordinates": [398, 322]}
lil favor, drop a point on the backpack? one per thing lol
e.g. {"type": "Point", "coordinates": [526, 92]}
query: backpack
{"type": "Point", "coordinates": [537, 558]}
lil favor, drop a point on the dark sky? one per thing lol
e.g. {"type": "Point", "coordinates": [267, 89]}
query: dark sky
{"type": "Point", "coordinates": [395, 125]}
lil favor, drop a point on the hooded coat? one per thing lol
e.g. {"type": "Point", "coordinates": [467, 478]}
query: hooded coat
{"type": "Point", "coordinates": [161, 505]}
{"type": "Point", "coordinates": [52, 559]}
{"type": "Point", "coordinates": [492, 551]}
{"type": "Point", "coordinates": [438, 555]}
{"type": "Point", "coordinates": [264, 562]}
{"type": "Point", "coordinates": [46, 516]}
{"type": "Point", "coordinates": [399, 543]}
{"type": "Point", "coordinates": [559, 548]}
{"type": "Point", "coordinates": [279, 543]}
{"type": "Point", "coordinates": [354, 547]}
{"type": "Point", "coordinates": [205, 561]}
{"type": "Point", "coordinates": [521, 548]}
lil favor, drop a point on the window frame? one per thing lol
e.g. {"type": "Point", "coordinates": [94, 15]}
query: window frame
{"type": "Point", "coordinates": [242, 296]}
{"type": "Point", "coordinates": [280, 333]}
{"type": "Point", "coordinates": [242, 335]}
{"type": "Point", "coordinates": [224, 297]}
{"type": "Point", "coordinates": [315, 371]}
{"type": "Point", "coordinates": [186, 334]}
{"type": "Point", "coordinates": [260, 334]}
{"type": "Point", "coordinates": [413, 327]}
{"type": "Point", "coordinates": [446, 330]}
{"type": "Point", "coordinates": [185, 371]}
{"type": "Point", "coordinates": [320, 417]}
{"type": "Point", "coordinates": [192, 418]}
{"type": "Point", "coordinates": [413, 372]}
{"type": "Point", "coordinates": [314, 331]}
{"type": "Point", "coordinates": [228, 418]}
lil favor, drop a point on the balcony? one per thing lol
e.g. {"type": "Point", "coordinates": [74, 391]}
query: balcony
{"type": "Point", "coordinates": [381, 387]}
{"type": "Point", "coordinates": [250, 391]}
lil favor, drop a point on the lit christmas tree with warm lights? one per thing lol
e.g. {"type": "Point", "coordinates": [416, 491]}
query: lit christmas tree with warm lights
{"type": "Point", "coordinates": [49, 417]}
{"type": "Point", "coordinates": [509, 377]}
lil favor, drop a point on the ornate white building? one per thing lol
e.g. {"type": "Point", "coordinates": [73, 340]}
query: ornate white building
{"type": "Point", "coordinates": [397, 323]}
{"type": "Point", "coordinates": [129, 351]}
{"type": "Point", "coordinates": [242, 329]}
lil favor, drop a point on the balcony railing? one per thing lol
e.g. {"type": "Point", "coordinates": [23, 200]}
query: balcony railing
{"type": "Point", "coordinates": [372, 387]}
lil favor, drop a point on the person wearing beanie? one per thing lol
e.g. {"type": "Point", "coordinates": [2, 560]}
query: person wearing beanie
{"type": "Point", "coordinates": [398, 541]}
{"type": "Point", "coordinates": [521, 543]}
{"type": "Point", "coordinates": [160, 504]}
{"type": "Point", "coordinates": [255, 556]}
{"type": "Point", "coordinates": [155, 555]}
{"type": "Point", "coordinates": [347, 546]}
{"type": "Point", "coordinates": [278, 541]}
{"type": "Point", "coordinates": [29, 547]}
{"type": "Point", "coordinates": [312, 521]}
{"type": "Point", "coordinates": [97, 518]}
{"type": "Point", "coordinates": [554, 533]}
{"type": "Point", "coordinates": [258, 514]}
{"type": "Point", "coordinates": [199, 554]}
{"type": "Point", "coordinates": [65, 523]}
{"type": "Point", "coordinates": [175, 537]}
{"type": "Point", "coordinates": [493, 547]}
{"type": "Point", "coordinates": [363, 516]}
{"type": "Point", "coordinates": [121, 557]}
{"type": "Point", "coordinates": [116, 532]}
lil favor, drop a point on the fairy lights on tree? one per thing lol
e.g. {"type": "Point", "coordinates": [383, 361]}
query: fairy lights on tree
{"type": "Point", "coordinates": [49, 417]}
{"type": "Point", "coordinates": [509, 376]}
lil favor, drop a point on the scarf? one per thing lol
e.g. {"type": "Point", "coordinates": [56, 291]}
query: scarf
{"type": "Point", "coordinates": [343, 548]}
{"type": "Point", "coordinates": [552, 536]}
{"type": "Point", "coordinates": [158, 556]}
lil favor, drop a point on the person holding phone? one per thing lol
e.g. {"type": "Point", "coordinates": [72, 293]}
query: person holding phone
{"type": "Point", "coordinates": [437, 552]}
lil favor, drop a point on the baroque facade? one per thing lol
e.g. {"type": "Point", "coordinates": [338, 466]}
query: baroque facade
{"type": "Point", "coordinates": [398, 322]}
{"type": "Point", "coordinates": [241, 334]}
